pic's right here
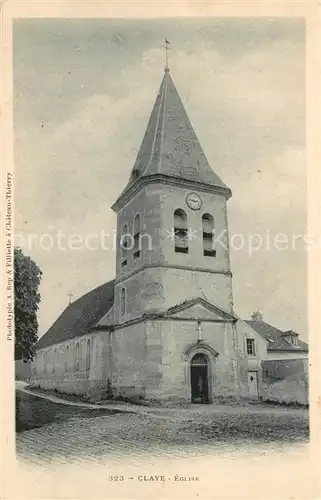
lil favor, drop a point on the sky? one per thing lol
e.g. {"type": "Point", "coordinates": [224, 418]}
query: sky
{"type": "Point", "coordinates": [83, 93]}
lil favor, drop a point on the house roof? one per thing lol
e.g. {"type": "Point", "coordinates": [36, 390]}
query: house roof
{"type": "Point", "coordinates": [170, 146]}
{"type": "Point", "coordinates": [275, 337]}
{"type": "Point", "coordinates": [80, 316]}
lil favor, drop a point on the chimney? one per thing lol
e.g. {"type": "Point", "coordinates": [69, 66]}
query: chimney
{"type": "Point", "coordinates": [257, 316]}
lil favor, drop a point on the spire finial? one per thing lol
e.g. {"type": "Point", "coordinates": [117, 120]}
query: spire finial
{"type": "Point", "coordinates": [166, 46]}
{"type": "Point", "coordinates": [70, 295]}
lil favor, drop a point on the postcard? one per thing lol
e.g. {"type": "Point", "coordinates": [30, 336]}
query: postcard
{"type": "Point", "coordinates": [161, 250]}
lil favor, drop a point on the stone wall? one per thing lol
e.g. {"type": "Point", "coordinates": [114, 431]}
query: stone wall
{"type": "Point", "coordinates": [158, 289]}
{"type": "Point", "coordinates": [284, 355]}
{"type": "Point", "coordinates": [177, 340]}
{"type": "Point", "coordinates": [148, 360]}
{"type": "Point", "coordinates": [161, 278]}
{"type": "Point", "coordinates": [76, 366]}
{"type": "Point", "coordinates": [286, 381]}
{"type": "Point", "coordinates": [127, 360]}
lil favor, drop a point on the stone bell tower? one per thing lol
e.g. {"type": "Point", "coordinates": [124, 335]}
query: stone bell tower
{"type": "Point", "coordinates": [172, 232]}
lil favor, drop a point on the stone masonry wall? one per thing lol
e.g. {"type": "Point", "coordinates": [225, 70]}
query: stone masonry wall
{"type": "Point", "coordinates": [176, 337]}
{"type": "Point", "coordinates": [76, 366]}
{"type": "Point", "coordinates": [128, 360]}
{"type": "Point", "coordinates": [174, 277]}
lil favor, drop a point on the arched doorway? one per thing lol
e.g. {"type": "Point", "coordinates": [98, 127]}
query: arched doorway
{"type": "Point", "coordinates": [199, 378]}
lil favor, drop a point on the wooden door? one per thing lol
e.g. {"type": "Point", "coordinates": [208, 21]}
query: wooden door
{"type": "Point", "coordinates": [253, 385]}
{"type": "Point", "coordinates": [199, 379]}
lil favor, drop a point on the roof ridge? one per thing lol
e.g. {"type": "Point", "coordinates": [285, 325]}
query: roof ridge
{"type": "Point", "coordinates": [163, 124]}
{"type": "Point", "coordinates": [156, 129]}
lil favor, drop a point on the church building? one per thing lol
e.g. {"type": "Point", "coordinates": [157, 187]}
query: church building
{"type": "Point", "coordinates": [165, 328]}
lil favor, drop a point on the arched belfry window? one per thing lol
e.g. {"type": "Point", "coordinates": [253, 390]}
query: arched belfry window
{"type": "Point", "coordinates": [180, 231]}
{"type": "Point", "coordinates": [122, 302]}
{"type": "Point", "coordinates": [208, 235]}
{"type": "Point", "coordinates": [124, 245]}
{"type": "Point", "coordinates": [137, 238]}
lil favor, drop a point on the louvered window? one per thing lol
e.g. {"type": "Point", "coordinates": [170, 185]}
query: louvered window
{"type": "Point", "coordinates": [208, 235]}
{"type": "Point", "coordinates": [180, 231]}
{"type": "Point", "coordinates": [124, 245]}
{"type": "Point", "coordinates": [137, 238]}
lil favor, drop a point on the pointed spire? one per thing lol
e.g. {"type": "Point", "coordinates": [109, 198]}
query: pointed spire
{"type": "Point", "coordinates": [170, 146]}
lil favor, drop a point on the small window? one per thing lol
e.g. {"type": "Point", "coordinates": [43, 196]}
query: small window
{"type": "Point", "coordinates": [137, 238]}
{"type": "Point", "coordinates": [180, 231]}
{"type": "Point", "coordinates": [250, 347]}
{"type": "Point", "coordinates": [122, 302]}
{"type": "Point", "coordinates": [208, 235]}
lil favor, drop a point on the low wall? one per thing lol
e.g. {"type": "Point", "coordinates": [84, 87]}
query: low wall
{"type": "Point", "coordinates": [285, 381]}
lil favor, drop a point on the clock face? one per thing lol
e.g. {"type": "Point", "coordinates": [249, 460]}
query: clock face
{"type": "Point", "coordinates": [194, 201]}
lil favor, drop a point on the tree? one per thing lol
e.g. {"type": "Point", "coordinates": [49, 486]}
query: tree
{"type": "Point", "coordinates": [27, 276]}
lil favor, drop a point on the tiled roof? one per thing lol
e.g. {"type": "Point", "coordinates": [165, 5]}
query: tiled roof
{"type": "Point", "coordinates": [80, 316]}
{"type": "Point", "coordinates": [170, 146]}
{"type": "Point", "coordinates": [275, 337]}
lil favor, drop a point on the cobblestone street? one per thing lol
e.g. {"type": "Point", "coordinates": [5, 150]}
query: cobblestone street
{"type": "Point", "coordinates": [91, 434]}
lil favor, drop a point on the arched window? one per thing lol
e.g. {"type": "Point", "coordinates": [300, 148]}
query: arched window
{"type": "Point", "coordinates": [54, 354]}
{"type": "Point", "coordinates": [45, 368]}
{"type": "Point", "coordinates": [208, 235]}
{"type": "Point", "coordinates": [122, 302]}
{"type": "Point", "coordinates": [137, 238]}
{"type": "Point", "coordinates": [124, 245]}
{"type": "Point", "coordinates": [77, 357]}
{"type": "Point", "coordinates": [88, 355]}
{"type": "Point", "coordinates": [67, 359]}
{"type": "Point", "coordinates": [180, 231]}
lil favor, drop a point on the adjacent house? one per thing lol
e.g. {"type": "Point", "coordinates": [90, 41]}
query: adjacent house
{"type": "Point", "coordinates": [278, 363]}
